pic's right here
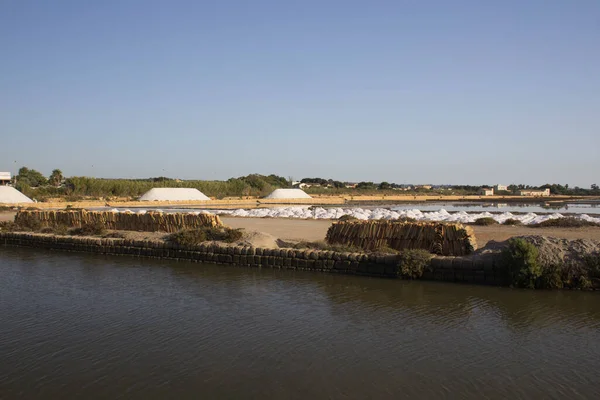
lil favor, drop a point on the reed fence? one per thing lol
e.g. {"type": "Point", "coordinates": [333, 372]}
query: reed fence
{"type": "Point", "coordinates": [125, 221]}
{"type": "Point", "coordinates": [438, 238]}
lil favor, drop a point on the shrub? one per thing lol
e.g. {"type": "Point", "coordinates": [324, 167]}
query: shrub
{"type": "Point", "coordinates": [347, 218]}
{"type": "Point", "coordinates": [512, 221]}
{"type": "Point", "coordinates": [56, 230]}
{"type": "Point", "coordinates": [551, 277]}
{"type": "Point", "coordinates": [188, 237]}
{"type": "Point", "coordinates": [322, 245]}
{"type": "Point", "coordinates": [8, 226]}
{"type": "Point", "coordinates": [92, 229]}
{"type": "Point", "coordinates": [29, 223]}
{"type": "Point", "coordinates": [192, 237]}
{"type": "Point", "coordinates": [485, 221]}
{"type": "Point", "coordinates": [384, 250]}
{"type": "Point", "coordinates": [413, 262]}
{"type": "Point", "coordinates": [520, 259]}
{"type": "Point", "coordinates": [592, 264]}
{"type": "Point", "coordinates": [568, 222]}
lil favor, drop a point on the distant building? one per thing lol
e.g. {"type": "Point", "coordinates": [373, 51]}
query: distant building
{"type": "Point", "coordinates": [500, 188]}
{"type": "Point", "coordinates": [4, 178]}
{"type": "Point", "coordinates": [351, 185]}
{"type": "Point", "coordinates": [425, 187]}
{"type": "Point", "coordinates": [535, 193]}
{"type": "Point", "coordinates": [486, 192]}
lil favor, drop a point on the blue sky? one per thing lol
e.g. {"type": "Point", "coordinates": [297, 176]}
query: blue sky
{"type": "Point", "coordinates": [465, 92]}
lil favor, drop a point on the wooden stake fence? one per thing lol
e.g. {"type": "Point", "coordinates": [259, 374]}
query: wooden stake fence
{"type": "Point", "coordinates": [126, 221]}
{"type": "Point", "coordinates": [438, 238]}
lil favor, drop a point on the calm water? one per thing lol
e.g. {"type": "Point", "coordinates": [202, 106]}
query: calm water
{"type": "Point", "coordinates": [94, 327]}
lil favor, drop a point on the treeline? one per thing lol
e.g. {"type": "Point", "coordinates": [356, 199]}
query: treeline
{"type": "Point", "coordinates": [78, 187]}
{"type": "Point", "coordinates": [35, 185]}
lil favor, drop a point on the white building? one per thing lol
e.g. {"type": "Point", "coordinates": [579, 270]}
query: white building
{"type": "Point", "coordinates": [4, 178]}
{"type": "Point", "coordinates": [500, 188]}
{"type": "Point", "coordinates": [535, 193]}
{"type": "Point", "coordinates": [486, 192]}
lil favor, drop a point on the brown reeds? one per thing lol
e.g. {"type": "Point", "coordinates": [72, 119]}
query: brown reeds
{"type": "Point", "coordinates": [438, 238]}
{"type": "Point", "coordinates": [125, 221]}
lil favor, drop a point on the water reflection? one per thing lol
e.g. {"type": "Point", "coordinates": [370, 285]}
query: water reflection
{"type": "Point", "coordinates": [86, 326]}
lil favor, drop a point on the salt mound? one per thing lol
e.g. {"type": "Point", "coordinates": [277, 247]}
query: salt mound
{"type": "Point", "coordinates": [173, 194]}
{"type": "Point", "coordinates": [288, 194]}
{"type": "Point", "coordinates": [10, 195]}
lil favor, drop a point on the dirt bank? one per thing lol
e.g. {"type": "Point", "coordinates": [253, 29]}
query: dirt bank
{"type": "Point", "coordinates": [312, 230]}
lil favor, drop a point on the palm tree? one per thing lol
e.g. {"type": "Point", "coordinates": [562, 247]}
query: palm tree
{"type": "Point", "coordinates": [56, 177]}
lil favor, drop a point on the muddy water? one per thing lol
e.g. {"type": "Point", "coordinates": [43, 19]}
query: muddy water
{"type": "Point", "coordinates": [94, 327]}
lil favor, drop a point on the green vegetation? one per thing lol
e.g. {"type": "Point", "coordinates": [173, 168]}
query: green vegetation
{"type": "Point", "coordinates": [512, 221]}
{"type": "Point", "coordinates": [78, 188]}
{"type": "Point", "coordinates": [33, 184]}
{"type": "Point", "coordinates": [192, 237]}
{"type": "Point", "coordinates": [8, 226]}
{"type": "Point", "coordinates": [56, 230]}
{"type": "Point", "coordinates": [413, 263]}
{"type": "Point", "coordinates": [485, 221]}
{"type": "Point", "coordinates": [92, 229]}
{"type": "Point", "coordinates": [520, 259]}
{"type": "Point", "coordinates": [524, 269]}
{"type": "Point", "coordinates": [568, 222]}
{"type": "Point", "coordinates": [322, 245]}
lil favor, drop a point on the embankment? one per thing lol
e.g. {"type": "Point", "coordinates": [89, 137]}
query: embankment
{"type": "Point", "coordinates": [480, 269]}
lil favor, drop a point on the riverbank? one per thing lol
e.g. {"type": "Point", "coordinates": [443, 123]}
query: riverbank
{"type": "Point", "coordinates": [479, 269]}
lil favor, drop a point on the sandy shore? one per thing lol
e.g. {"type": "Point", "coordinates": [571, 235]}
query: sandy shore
{"type": "Point", "coordinates": [312, 230]}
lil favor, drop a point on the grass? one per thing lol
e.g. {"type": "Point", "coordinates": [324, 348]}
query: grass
{"type": "Point", "coordinates": [485, 221]}
{"type": "Point", "coordinates": [568, 222]}
{"type": "Point", "coordinates": [192, 237]}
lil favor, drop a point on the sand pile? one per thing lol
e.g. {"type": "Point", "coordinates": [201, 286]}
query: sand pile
{"type": "Point", "coordinates": [10, 195]}
{"type": "Point", "coordinates": [288, 194]}
{"type": "Point", "coordinates": [173, 194]}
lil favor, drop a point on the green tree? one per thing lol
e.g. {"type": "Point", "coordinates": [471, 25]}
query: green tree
{"type": "Point", "coordinates": [31, 177]}
{"type": "Point", "coordinates": [385, 186]}
{"type": "Point", "coordinates": [56, 177]}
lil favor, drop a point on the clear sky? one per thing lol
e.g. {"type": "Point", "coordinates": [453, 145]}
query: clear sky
{"type": "Point", "coordinates": [421, 91]}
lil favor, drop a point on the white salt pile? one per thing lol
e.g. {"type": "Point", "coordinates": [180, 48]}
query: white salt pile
{"type": "Point", "coordinates": [379, 213]}
{"type": "Point", "coordinates": [10, 195]}
{"type": "Point", "coordinates": [382, 213]}
{"type": "Point", "coordinates": [173, 194]}
{"type": "Point", "coordinates": [288, 194]}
